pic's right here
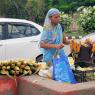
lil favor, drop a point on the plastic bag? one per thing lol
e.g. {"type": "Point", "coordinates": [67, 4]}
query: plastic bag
{"type": "Point", "coordinates": [46, 72]}
{"type": "Point", "coordinates": [62, 71]}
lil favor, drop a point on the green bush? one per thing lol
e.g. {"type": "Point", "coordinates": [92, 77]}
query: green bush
{"type": "Point", "coordinates": [65, 20]}
{"type": "Point", "coordinates": [86, 19]}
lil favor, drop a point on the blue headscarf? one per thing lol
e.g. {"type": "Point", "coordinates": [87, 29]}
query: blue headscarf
{"type": "Point", "coordinates": [47, 23]}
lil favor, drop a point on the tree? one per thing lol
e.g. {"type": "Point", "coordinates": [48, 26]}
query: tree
{"type": "Point", "coordinates": [70, 6]}
{"type": "Point", "coordinates": [12, 8]}
{"type": "Point", "coordinates": [35, 9]}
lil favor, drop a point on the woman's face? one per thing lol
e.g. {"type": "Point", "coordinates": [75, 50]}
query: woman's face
{"type": "Point", "coordinates": [55, 19]}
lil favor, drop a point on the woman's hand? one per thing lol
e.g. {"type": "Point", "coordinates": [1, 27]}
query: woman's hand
{"type": "Point", "coordinates": [59, 46]}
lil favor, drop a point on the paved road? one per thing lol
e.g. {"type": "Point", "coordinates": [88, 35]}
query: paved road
{"type": "Point", "coordinates": [67, 49]}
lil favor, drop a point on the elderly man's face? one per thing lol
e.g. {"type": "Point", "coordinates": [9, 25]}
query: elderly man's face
{"type": "Point", "coordinates": [55, 19]}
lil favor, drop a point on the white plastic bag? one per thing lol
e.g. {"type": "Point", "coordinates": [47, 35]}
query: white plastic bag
{"type": "Point", "coordinates": [46, 72]}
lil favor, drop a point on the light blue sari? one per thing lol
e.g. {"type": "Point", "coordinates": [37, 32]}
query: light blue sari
{"type": "Point", "coordinates": [51, 37]}
{"type": "Point", "coordinates": [61, 68]}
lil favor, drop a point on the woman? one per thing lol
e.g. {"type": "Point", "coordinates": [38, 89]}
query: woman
{"type": "Point", "coordinates": [52, 47]}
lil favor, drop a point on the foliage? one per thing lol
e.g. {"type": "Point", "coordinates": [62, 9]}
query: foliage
{"type": "Point", "coordinates": [87, 19]}
{"type": "Point", "coordinates": [12, 8]}
{"type": "Point", "coordinates": [36, 9]}
{"type": "Point", "coordinates": [65, 20]}
{"type": "Point", "coordinates": [27, 9]}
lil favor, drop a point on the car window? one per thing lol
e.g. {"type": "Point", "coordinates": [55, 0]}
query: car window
{"type": "Point", "coordinates": [19, 31]}
{"type": "Point", "coordinates": [16, 31]}
{"type": "Point", "coordinates": [31, 31]}
{"type": "Point", "coordinates": [1, 27]}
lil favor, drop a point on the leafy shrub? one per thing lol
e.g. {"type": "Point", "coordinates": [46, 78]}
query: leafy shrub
{"type": "Point", "coordinates": [86, 19]}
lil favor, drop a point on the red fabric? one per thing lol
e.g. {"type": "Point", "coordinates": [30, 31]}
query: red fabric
{"type": "Point", "coordinates": [7, 85]}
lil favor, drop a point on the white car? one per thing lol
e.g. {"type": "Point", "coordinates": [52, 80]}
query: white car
{"type": "Point", "coordinates": [19, 39]}
{"type": "Point", "coordinates": [91, 36]}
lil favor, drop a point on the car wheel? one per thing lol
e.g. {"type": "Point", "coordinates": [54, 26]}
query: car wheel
{"type": "Point", "coordinates": [39, 58]}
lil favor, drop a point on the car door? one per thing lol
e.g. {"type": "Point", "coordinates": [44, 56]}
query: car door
{"type": "Point", "coordinates": [22, 42]}
{"type": "Point", "coordinates": [2, 43]}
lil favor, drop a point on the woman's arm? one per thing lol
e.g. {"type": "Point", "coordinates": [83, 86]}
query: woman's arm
{"type": "Point", "coordinates": [65, 40]}
{"type": "Point", "coordinates": [50, 46]}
